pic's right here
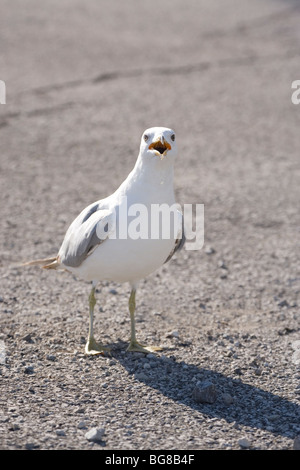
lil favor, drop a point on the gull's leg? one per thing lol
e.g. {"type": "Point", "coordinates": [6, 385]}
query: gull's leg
{"type": "Point", "coordinates": [92, 347]}
{"type": "Point", "coordinates": [134, 345]}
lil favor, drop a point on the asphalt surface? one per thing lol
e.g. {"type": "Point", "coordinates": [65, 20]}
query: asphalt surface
{"type": "Point", "coordinates": [83, 81]}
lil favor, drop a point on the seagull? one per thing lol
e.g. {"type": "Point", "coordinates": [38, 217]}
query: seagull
{"type": "Point", "coordinates": [98, 246]}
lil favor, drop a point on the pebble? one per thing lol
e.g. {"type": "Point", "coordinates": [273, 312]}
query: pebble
{"type": "Point", "coordinates": [222, 265]}
{"type": "Point", "coordinates": [151, 356]}
{"type": "Point", "coordinates": [95, 434]}
{"type": "Point", "coordinates": [296, 344]}
{"type": "Point", "coordinates": [296, 445]}
{"type": "Point", "coordinates": [205, 392]}
{"type": "Point", "coordinates": [244, 443]}
{"type": "Point", "coordinates": [81, 425]}
{"type": "Point", "coordinates": [227, 398]}
{"type": "Point", "coordinates": [172, 334]}
{"type": "Point", "coordinates": [29, 370]}
{"type": "Point", "coordinates": [209, 250]}
{"type": "Point", "coordinates": [51, 357]}
{"type": "Point", "coordinates": [140, 376]}
{"type": "Point", "coordinates": [31, 446]}
{"type": "Point", "coordinates": [283, 303]}
{"type": "Point", "coordinates": [14, 427]}
{"type": "Point", "coordinates": [113, 291]}
{"type": "Point", "coordinates": [296, 357]}
{"type": "Point", "coordinates": [28, 338]}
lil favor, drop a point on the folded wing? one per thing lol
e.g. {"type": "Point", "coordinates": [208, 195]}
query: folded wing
{"type": "Point", "coordinates": [91, 228]}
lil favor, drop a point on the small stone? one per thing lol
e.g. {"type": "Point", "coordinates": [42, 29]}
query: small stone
{"type": "Point", "coordinates": [4, 419]}
{"type": "Point", "coordinates": [151, 356]}
{"type": "Point", "coordinates": [28, 338]}
{"type": "Point", "coordinates": [209, 250]}
{"type": "Point", "coordinates": [31, 446]}
{"type": "Point", "coordinates": [172, 334]}
{"type": "Point", "coordinates": [227, 398]}
{"type": "Point", "coordinates": [113, 291]}
{"type": "Point", "coordinates": [296, 357]}
{"type": "Point", "coordinates": [14, 427]}
{"type": "Point", "coordinates": [29, 370]}
{"type": "Point", "coordinates": [60, 432]}
{"type": "Point", "coordinates": [205, 392]}
{"type": "Point", "coordinates": [80, 410]}
{"type": "Point", "coordinates": [283, 303]}
{"type": "Point", "coordinates": [296, 344]}
{"type": "Point", "coordinates": [296, 445]}
{"type": "Point", "coordinates": [222, 264]}
{"type": "Point", "coordinates": [273, 417]}
{"type": "Point", "coordinates": [51, 357]}
{"type": "Point", "coordinates": [82, 425]}
{"type": "Point", "coordinates": [140, 376]}
{"type": "Point", "coordinates": [244, 443]}
{"type": "Point", "coordinates": [95, 434]}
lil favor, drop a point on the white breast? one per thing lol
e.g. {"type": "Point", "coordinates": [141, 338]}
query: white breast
{"type": "Point", "coordinates": [124, 260]}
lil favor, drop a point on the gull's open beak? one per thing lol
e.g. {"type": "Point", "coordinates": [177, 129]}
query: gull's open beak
{"type": "Point", "coordinates": [160, 147]}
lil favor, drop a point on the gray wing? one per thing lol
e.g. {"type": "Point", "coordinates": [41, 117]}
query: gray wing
{"type": "Point", "coordinates": [180, 241]}
{"type": "Point", "coordinates": [91, 228]}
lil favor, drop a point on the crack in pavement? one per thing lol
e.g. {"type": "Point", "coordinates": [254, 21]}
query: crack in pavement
{"type": "Point", "coordinates": [134, 73]}
{"type": "Point", "coordinates": [254, 23]}
{"type": "Point", "coordinates": [180, 69]}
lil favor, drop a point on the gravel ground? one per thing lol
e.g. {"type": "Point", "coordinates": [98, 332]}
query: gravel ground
{"type": "Point", "coordinates": [84, 79]}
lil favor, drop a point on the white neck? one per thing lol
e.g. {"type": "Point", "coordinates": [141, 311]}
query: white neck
{"type": "Point", "coordinates": [152, 178]}
{"type": "Point", "coordinates": [155, 171]}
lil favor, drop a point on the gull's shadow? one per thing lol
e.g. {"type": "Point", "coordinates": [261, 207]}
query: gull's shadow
{"type": "Point", "coordinates": [251, 406]}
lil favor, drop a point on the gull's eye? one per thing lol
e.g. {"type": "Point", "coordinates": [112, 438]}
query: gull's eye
{"type": "Point", "coordinates": [146, 137]}
{"type": "Point", "coordinates": [173, 137]}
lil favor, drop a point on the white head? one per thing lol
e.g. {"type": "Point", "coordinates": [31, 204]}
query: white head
{"type": "Point", "coordinates": [158, 143]}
